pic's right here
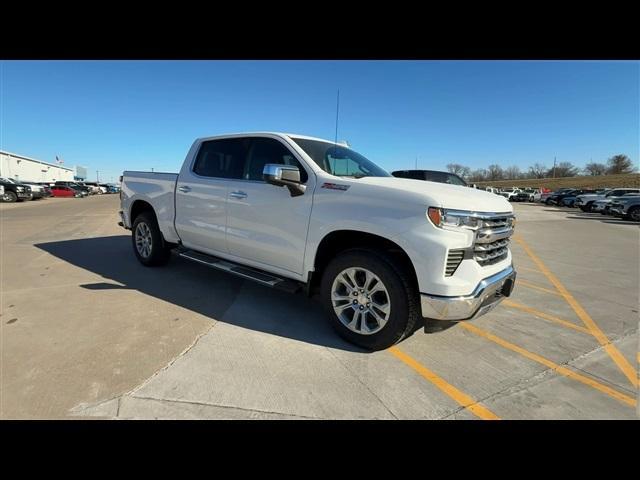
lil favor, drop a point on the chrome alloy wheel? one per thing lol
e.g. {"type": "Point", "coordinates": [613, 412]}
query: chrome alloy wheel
{"type": "Point", "coordinates": [143, 240]}
{"type": "Point", "coordinates": [360, 300]}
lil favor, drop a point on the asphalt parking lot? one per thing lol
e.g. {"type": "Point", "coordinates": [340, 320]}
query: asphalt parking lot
{"type": "Point", "coordinates": [87, 332]}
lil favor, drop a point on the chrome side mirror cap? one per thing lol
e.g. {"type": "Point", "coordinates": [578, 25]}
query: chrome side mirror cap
{"type": "Point", "coordinates": [284, 176]}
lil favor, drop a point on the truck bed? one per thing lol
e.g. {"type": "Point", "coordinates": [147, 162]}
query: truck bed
{"type": "Point", "coordinates": [157, 189]}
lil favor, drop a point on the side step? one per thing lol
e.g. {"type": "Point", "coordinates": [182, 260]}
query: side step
{"type": "Point", "coordinates": [258, 276]}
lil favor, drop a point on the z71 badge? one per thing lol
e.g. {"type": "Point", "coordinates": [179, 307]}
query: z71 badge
{"type": "Point", "coordinates": [335, 186]}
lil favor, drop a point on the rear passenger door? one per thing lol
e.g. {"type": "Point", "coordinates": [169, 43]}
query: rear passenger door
{"type": "Point", "coordinates": [266, 226]}
{"type": "Point", "coordinates": [201, 193]}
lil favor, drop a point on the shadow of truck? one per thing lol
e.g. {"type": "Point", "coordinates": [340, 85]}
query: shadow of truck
{"type": "Point", "coordinates": [217, 295]}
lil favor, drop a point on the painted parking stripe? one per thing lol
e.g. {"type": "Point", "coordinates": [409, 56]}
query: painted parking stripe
{"type": "Point", "coordinates": [460, 397]}
{"type": "Point", "coordinates": [622, 363]}
{"type": "Point", "coordinates": [546, 316]}
{"type": "Point", "coordinates": [552, 365]}
{"type": "Point", "coordinates": [524, 283]}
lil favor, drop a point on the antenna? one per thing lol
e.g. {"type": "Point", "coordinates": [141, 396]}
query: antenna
{"type": "Point", "coordinates": [337, 111]}
{"type": "Point", "coordinates": [336, 138]}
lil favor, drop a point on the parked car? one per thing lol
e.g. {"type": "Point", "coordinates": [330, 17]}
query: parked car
{"type": "Point", "coordinates": [602, 206]}
{"type": "Point", "coordinates": [525, 195]}
{"type": "Point", "coordinates": [113, 188]}
{"type": "Point", "coordinates": [569, 195]}
{"type": "Point", "coordinates": [14, 191]}
{"type": "Point", "coordinates": [492, 190]}
{"type": "Point", "coordinates": [509, 193]}
{"type": "Point", "coordinates": [37, 191]}
{"type": "Point", "coordinates": [431, 176]}
{"type": "Point", "coordinates": [75, 185]}
{"type": "Point", "coordinates": [383, 252]}
{"type": "Point", "coordinates": [627, 207]}
{"type": "Point", "coordinates": [542, 194]}
{"type": "Point", "coordinates": [64, 191]}
{"type": "Point", "coordinates": [586, 202]}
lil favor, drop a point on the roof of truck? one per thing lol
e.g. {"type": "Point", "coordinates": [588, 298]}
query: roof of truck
{"type": "Point", "coordinates": [282, 134]}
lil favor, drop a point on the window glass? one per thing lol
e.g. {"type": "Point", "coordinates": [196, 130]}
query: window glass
{"type": "Point", "coordinates": [221, 158]}
{"type": "Point", "coordinates": [269, 150]}
{"type": "Point", "coordinates": [339, 160]}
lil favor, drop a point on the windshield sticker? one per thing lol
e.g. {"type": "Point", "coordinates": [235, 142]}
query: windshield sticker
{"type": "Point", "coordinates": [335, 186]}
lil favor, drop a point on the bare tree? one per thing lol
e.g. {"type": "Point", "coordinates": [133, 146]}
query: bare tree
{"type": "Point", "coordinates": [538, 170]}
{"type": "Point", "coordinates": [563, 169]}
{"type": "Point", "coordinates": [459, 170]}
{"type": "Point", "coordinates": [512, 172]}
{"type": "Point", "coordinates": [479, 175]}
{"type": "Point", "coordinates": [594, 168]}
{"type": "Point", "coordinates": [619, 164]}
{"type": "Point", "coordinates": [494, 172]}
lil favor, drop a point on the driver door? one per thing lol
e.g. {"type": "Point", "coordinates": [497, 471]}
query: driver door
{"type": "Point", "coordinates": [265, 224]}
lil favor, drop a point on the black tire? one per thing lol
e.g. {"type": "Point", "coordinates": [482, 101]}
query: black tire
{"type": "Point", "coordinates": [9, 197]}
{"type": "Point", "coordinates": [589, 207]}
{"type": "Point", "coordinates": [160, 251]}
{"type": "Point", "coordinates": [633, 214]}
{"type": "Point", "coordinates": [403, 297]}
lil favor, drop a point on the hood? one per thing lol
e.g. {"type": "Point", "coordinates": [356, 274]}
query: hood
{"type": "Point", "coordinates": [440, 194]}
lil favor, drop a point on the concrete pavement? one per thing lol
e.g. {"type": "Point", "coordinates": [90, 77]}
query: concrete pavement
{"type": "Point", "coordinates": [87, 331]}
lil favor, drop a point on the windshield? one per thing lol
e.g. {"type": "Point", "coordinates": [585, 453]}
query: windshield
{"type": "Point", "coordinates": [338, 160]}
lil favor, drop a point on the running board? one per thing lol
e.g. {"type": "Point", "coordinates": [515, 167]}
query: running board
{"type": "Point", "coordinates": [258, 276]}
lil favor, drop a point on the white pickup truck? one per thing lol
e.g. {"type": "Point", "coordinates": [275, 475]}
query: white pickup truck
{"type": "Point", "coordinates": [296, 212]}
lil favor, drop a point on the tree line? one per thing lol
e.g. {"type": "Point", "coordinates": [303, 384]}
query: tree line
{"type": "Point", "coordinates": [615, 165]}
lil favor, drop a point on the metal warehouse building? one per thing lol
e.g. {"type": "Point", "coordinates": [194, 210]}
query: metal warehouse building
{"type": "Point", "coordinates": [19, 167]}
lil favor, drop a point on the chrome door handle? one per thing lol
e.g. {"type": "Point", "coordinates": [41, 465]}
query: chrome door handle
{"type": "Point", "coordinates": [184, 189]}
{"type": "Point", "coordinates": [238, 194]}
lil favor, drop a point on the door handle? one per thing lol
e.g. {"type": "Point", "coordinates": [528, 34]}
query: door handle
{"type": "Point", "coordinates": [238, 194]}
{"type": "Point", "coordinates": [184, 189]}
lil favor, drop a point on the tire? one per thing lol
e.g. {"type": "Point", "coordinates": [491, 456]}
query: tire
{"type": "Point", "coordinates": [633, 214]}
{"type": "Point", "coordinates": [589, 207]}
{"type": "Point", "coordinates": [399, 294]}
{"type": "Point", "coordinates": [147, 241]}
{"type": "Point", "coordinates": [9, 197]}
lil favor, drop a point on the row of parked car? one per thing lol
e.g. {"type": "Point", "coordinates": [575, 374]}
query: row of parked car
{"type": "Point", "coordinates": [619, 202]}
{"type": "Point", "coordinates": [16, 191]}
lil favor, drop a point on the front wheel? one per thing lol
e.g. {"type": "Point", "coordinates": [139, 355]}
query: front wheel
{"type": "Point", "coordinates": [148, 243]}
{"type": "Point", "coordinates": [634, 214]}
{"type": "Point", "coordinates": [9, 197]}
{"type": "Point", "coordinates": [369, 300]}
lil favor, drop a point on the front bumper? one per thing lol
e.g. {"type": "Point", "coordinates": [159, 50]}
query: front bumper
{"type": "Point", "coordinates": [487, 294]}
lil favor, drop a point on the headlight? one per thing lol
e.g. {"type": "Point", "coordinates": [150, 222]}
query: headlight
{"type": "Point", "coordinates": [442, 217]}
{"type": "Point", "coordinates": [20, 189]}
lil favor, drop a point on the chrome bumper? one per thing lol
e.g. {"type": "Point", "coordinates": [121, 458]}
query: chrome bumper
{"type": "Point", "coordinates": [487, 294]}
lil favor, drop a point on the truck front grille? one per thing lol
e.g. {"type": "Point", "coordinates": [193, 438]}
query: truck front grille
{"type": "Point", "coordinates": [491, 243]}
{"type": "Point", "coordinates": [453, 261]}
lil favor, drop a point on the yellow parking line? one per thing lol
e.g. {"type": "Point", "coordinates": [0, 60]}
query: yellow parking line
{"type": "Point", "coordinates": [595, 330]}
{"type": "Point", "coordinates": [546, 316]}
{"type": "Point", "coordinates": [537, 287]}
{"type": "Point", "coordinates": [554, 366]}
{"type": "Point", "coordinates": [460, 397]}
{"type": "Point", "coordinates": [520, 267]}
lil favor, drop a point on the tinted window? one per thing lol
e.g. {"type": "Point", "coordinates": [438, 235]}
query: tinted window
{"type": "Point", "coordinates": [221, 158]}
{"type": "Point", "coordinates": [338, 160]}
{"type": "Point", "coordinates": [444, 177]}
{"type": "Point", "coordinates": [269, 150]}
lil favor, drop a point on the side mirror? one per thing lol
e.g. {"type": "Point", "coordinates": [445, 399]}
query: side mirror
{"type": "Point", "coordinates": [284, 176]}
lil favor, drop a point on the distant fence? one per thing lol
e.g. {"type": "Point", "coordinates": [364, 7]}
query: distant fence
{"type": "Point", "coordinates": [598, 181]}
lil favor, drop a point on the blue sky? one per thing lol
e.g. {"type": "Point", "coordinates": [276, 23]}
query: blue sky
{"type": "Point", "coordinates": [111, 116]}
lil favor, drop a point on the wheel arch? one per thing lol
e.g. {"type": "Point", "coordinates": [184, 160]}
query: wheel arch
{"type": "Point", "coordinates": [337, 241]}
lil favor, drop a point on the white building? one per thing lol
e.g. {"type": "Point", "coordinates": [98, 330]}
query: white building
{"type": "Point", "coordinates": [19, 167]}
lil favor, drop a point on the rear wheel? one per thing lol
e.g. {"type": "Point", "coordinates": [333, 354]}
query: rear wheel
{"type": "Point", "coordinates": [148, 243]}
{"type": "Point", "coordinates": [368, 299]}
